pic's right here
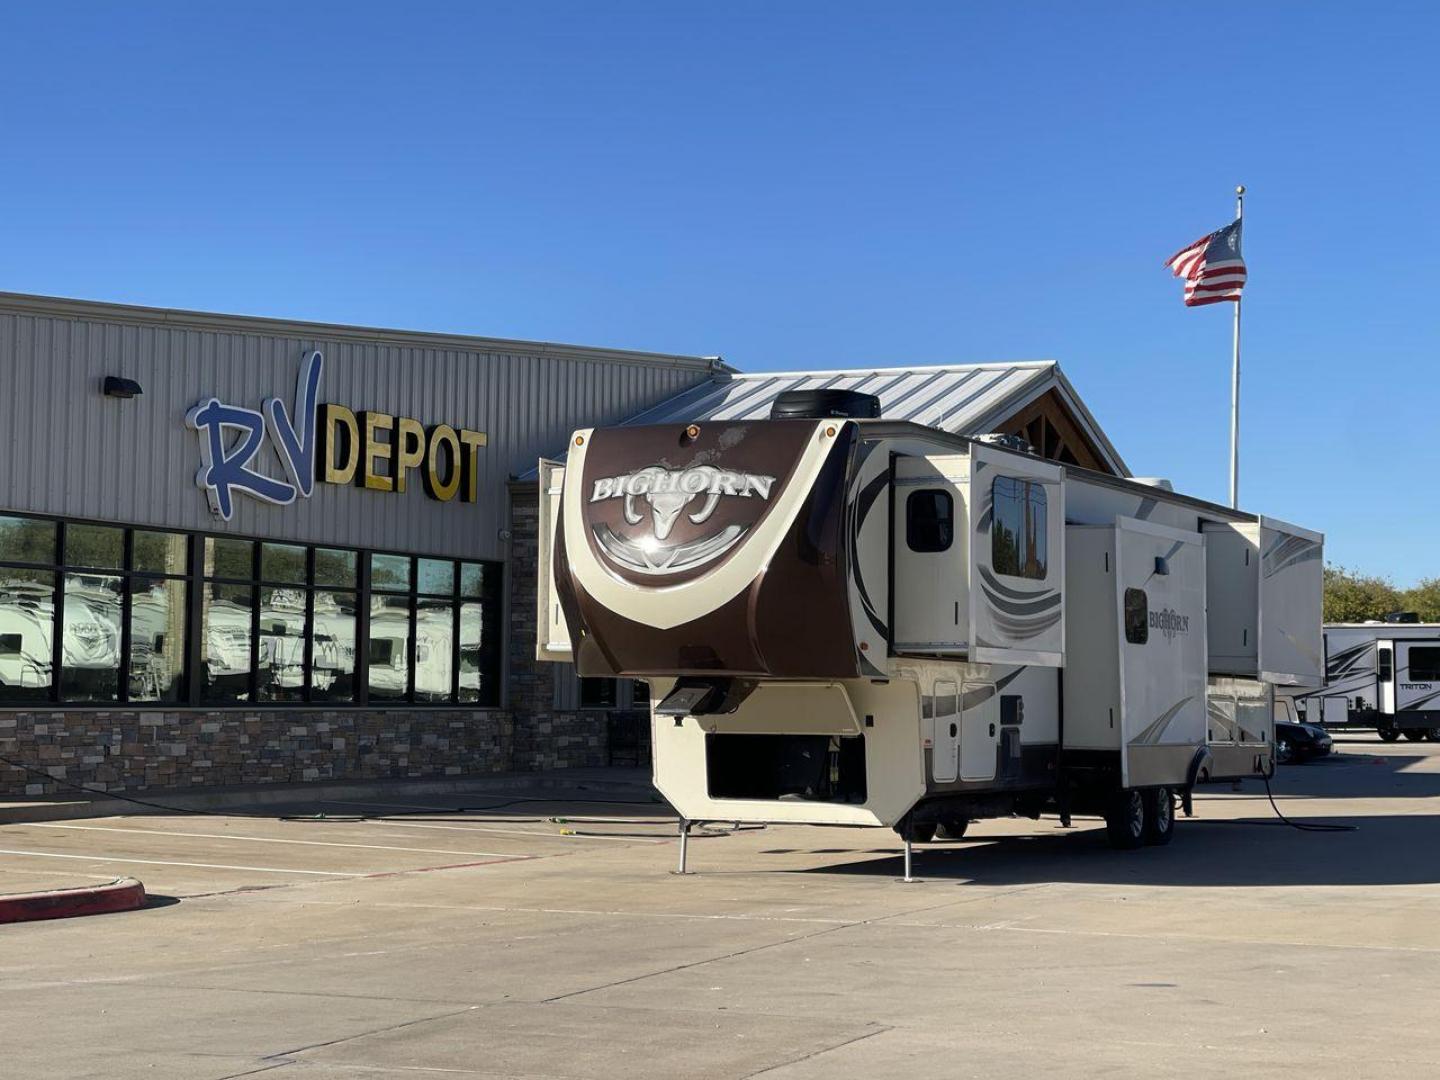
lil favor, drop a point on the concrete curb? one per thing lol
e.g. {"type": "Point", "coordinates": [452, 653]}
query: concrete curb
{"type": "Point", "coordinates": [122, 894]}
{"type": "Point", "coordinates": [622, 783]}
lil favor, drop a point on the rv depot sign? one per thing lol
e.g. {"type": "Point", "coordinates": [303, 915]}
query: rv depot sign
{"type": "Point", "coordinates": [328, 443]}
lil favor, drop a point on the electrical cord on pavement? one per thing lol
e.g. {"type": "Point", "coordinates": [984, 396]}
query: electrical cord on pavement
{"type": "Point", "coordinates": [1302, 826]}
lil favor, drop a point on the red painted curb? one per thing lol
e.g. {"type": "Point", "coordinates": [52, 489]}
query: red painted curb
{"type": "Point", "coordinates": [122, 894]}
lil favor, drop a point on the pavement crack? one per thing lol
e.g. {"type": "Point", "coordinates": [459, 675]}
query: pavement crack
{"type": "Point", "coordinates": [697, 963]}
{"type": "Point", "coordinates": [364, 1034]}
{"type": "Point", "coordinates": [879, 1029]}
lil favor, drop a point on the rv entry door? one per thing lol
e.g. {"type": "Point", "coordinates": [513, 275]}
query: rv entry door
{"type": "Point", "coordinates": [928, 539]}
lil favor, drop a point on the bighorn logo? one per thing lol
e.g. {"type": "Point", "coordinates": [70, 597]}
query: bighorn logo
{"type": "Point", "coordinates": [662, 495]}
{"type": "Point", "coordinates": [1169, 623]}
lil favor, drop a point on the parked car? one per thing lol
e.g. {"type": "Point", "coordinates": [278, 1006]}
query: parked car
{"type": "Point", "coordinates": [1300, 742]}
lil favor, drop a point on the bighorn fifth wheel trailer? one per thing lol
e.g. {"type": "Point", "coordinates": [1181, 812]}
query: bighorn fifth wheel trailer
{"type": "Point", "coordinates": [865, 622]}
{"type": "Point", "coordinates": [1382, 675]}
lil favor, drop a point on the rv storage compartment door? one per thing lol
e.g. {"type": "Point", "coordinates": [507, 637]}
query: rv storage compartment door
{"type": "Point", "coordinates": [1160, 598]}
{"type": "Point", "coordinates": [1017, 559]}
{"type": "Point", "coordinates": [552, 636]}
{"type": "Point", "coordinates": [1232, 590]}
{"type": "Point", "coordinates": [1291, 588]}
{"type": "Point", "coordinates": [931, 610]}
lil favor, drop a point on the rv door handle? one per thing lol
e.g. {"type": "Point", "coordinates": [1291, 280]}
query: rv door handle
{"type": "Point", "coordinates": [954, 731]}
{"type": "Point", "coordinates": [992, 730]}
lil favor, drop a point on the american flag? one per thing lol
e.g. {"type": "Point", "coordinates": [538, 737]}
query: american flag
{"type": "Point", "coordinates": [1212, 267]}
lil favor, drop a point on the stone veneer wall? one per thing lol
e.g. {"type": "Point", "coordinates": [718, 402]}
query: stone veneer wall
{"type": "Point", "coordinates": [135, 750]}
{"type": "Point", "coordinates": [546, 736]}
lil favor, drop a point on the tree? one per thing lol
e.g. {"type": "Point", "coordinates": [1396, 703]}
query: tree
{"type": "Point", "coordinates": [1354, 597]}
{"type": "Point", "coordinates": [1423, 599]}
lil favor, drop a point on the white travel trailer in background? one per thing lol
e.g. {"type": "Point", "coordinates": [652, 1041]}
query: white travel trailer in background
{"type": "Point", "coordinates": [1384, 675]}
{"type": "Point", "coordinates": [855, 621]}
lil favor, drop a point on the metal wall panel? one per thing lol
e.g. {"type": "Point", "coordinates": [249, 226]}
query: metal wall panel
{"type": "Point", "coordinates": [73, 452]}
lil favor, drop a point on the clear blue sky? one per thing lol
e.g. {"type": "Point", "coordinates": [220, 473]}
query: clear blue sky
{"type": "Point", "coordinates": [794, 185]}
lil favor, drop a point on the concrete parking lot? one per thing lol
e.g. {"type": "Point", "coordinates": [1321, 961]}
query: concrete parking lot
{"type": "Point", "coordinates": [386, 942]}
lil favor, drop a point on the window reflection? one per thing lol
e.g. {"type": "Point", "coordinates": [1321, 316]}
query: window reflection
{"type": "Point", "coordinates": [434, 650]}
{"type": "Point", "coordinates": [158, 552]}
{"type": "Point", "coordinates": [90, 646]}
{"type": "Point", "coordinates": [27, 620]}
{"type": "Point", "coordinates": [389, 647]}
{"type": "Point", "coordinates": [225, 643]}
{"type": "Point", "coordinates": [157, 640]}
{"type": "Point", "coordinates": [27, 540]}
{"type": "Point", "coordinates": [94, 545]}
{"type": "Point", "coordinates": [332, 675]}
{"type": "Point", "coordinates": [472, 670]}
{"type": "Point", "coordinates": [282, 645]}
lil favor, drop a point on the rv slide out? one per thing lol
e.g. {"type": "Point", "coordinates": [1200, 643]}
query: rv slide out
{"type": "Point", "coordinates": [864, 622]}
{"type": "Point", "coordinates": [1377, 674]}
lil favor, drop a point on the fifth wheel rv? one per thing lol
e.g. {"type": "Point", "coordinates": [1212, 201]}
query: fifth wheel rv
{"type": "Point", "coordinates": [848, 620]}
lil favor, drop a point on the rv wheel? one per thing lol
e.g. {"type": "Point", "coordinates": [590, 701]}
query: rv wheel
{"type": "Point", "coordinates": [1433, 734]}
{"type": "Point", "coordinates": [917, 832]}
{"type": "Point", "coordinates": [1413, 734]}
{"type": "Point", "coordinates": [954, 829]}
{"type": "Point", "coordinates": [1125, 820]}
{"type": "Point", "coordinates": [1159, 816]}
{"type": "Point", "coordinates": [1388, 734]}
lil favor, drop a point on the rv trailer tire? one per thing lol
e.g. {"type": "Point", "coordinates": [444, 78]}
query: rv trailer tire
{"type": "Point", "coordinates": [1159, 816]}
{"type": "Point", "coordinates": [917, 832]}
{"type": "Point", "coordinates": [1388, 734]}
{"type": "Point", "coordinates": [1125, 820]}
{"type": "Point", "coordinates": [1433, 734]}
{"type": "Point", "coordinates": [953, 829]}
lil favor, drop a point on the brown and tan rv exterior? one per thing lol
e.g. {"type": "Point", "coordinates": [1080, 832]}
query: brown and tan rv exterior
{"type": "Point", "coordinates": [872, 622]}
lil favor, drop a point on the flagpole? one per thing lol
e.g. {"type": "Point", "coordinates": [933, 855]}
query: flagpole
{"type": "Point", "coordinates": [1235, 382]}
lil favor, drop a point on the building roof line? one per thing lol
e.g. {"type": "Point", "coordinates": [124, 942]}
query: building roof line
{"type": "Point", "coordinates": [31, 304]}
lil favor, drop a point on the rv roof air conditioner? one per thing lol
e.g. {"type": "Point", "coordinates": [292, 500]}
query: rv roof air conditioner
{"type": "Point", "coordinates": [1007, 442]}
{"type": "Point", "coordinates": [820, 404]}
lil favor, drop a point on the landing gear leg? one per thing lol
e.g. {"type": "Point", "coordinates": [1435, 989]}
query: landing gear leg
{"type": "Point", "coordinates": [908, 878]}
{"type": "Point", "coordinates": [684, 844]}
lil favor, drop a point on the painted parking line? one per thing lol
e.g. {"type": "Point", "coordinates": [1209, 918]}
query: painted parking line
{"type": "Point", "coordinates": [167, 862]}
{"type": "Point", "coordinates": [390, 822]}
{"type": "Point", "coordinates": [276, 840]}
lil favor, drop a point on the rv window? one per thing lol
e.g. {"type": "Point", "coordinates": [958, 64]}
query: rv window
{"type": "Point", "coordinates": [1137, 616]}
{"type": "Point", "coordinates": [1018, 526]}
{"type": "Point", "coordinates": [1425, 664]}
{"type": "Point", "coordinates": [1384, 664]}
{"type": "Point", "coordinates": [929, 520]}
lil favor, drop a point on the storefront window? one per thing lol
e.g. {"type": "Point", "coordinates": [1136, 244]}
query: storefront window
{"type": "Point", "coordinates": [159, 553]}
{"type": "Point", "coordinates": [157, 640]}
{"type": "Point", "coordinates": [94, 545]}
{"type": "Point", "coordinates": [27, 627]}
{"type": "Point", "coordinates": [389, 674]}
{"type": "Point", "coordinates": [27, 540]}
{"type": "Point", "coordinates": [390, 572]}
{"type": "Point", "coordinates": [226, 558]}
{"type": "Point", "coordinates": [332, 649]}
{"type": "Point", "coordinates": [281, 657]}
{"type": "Point", "coordinates": [335, 567]}
{"type": "Point", "coordinates": [90, 647]}
{"type": "Point", "coordinates": [283, 563]}
{"type": "Point", "coordinates": [226, 647]}
{"type": "Point", "coordinates": [272, 623]}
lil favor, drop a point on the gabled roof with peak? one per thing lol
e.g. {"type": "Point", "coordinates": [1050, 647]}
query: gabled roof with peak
{"type": "Point", "coordinates": [1030, 398]}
